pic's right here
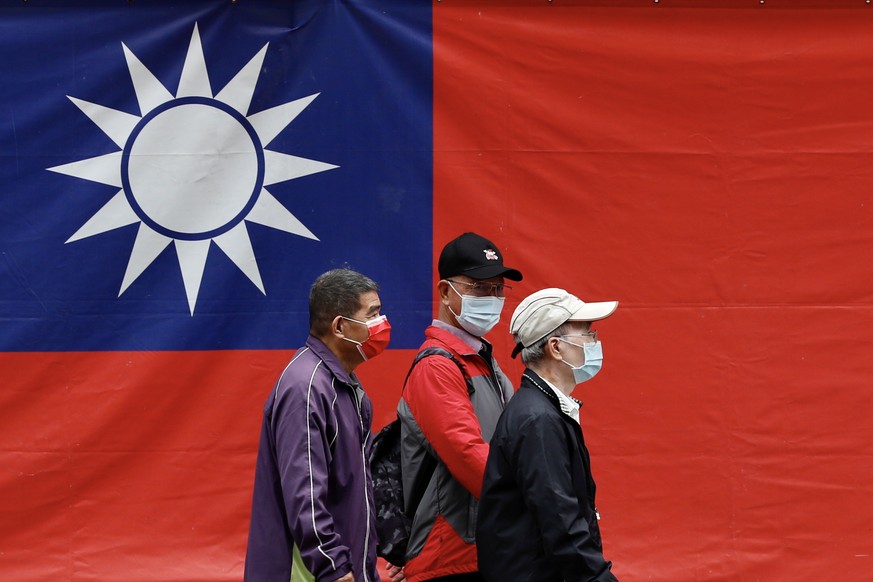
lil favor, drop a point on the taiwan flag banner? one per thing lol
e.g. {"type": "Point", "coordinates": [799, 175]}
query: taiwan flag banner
{"type": "Point", "coordinates": [175, 176]}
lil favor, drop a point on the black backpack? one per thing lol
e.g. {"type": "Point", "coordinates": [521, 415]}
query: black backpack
{"type": "Point", "coordinates": [393, 523]}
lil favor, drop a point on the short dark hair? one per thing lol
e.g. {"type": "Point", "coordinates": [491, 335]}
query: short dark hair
{"type": "Point", "coordinates": [337, 292]}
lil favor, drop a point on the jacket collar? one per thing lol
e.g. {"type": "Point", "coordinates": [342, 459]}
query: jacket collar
{"type": "Point", "coordinates": [533, 380]}
{"type": "Point", "coordinates": [320, 349]}
{"type": "Point", "coordinates": [458, 340]}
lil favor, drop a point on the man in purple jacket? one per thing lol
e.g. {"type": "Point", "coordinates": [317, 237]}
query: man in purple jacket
{"type": "Point", "coordinates": [312, 509]}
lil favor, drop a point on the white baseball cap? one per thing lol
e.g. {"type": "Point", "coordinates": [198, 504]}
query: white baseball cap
{"type": "Point", "coordinates": [541, 313]}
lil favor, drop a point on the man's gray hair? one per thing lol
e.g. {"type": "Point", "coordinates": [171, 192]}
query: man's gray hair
{"type": "Point", "coordinates": [337, 292]}
{"type": "Point", "coordinates": [533, 355]}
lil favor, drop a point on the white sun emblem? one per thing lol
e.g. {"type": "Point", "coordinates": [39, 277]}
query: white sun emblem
{"type": "Point", "coordinates": [192, 169]}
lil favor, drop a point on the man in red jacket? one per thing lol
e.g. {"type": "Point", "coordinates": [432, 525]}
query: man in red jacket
{"type": "Point", "coordinates": [448, 412]}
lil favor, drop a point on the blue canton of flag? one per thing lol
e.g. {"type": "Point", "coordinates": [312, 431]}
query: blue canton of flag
{"type": "Point", "coordinates": [175, 178]}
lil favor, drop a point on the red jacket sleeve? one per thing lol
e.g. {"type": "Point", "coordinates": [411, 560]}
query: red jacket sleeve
{"type": "Point", "coordinates": [437, 395]}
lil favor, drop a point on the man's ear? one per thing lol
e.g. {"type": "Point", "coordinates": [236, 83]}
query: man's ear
{"type": "Point", "coordinates": [336, 326]}
{"type": "Point", "coordinates": [443, 289]}
{"type": "Point", "coordinates": [553, 348]}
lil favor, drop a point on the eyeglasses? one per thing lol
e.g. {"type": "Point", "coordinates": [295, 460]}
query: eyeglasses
{"type": "Point", "coordinates": [587, 338]}
{"type": "Point", "coordinates": [480, 289]}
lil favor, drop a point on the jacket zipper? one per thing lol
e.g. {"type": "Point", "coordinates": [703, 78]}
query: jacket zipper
{"type": "Point", "coordinates": [358, 394]}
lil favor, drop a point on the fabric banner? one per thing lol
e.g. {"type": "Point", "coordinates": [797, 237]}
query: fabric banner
{"type": "Point", "coordinates": [175, 176]}
{"type": "Point", "coordinates": [707, 164]}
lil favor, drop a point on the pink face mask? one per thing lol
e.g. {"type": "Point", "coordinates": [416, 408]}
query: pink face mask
{"type": "Point", "coordinates": [379, 336]}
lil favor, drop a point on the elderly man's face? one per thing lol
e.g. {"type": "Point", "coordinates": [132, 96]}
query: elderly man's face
{"type": "Point", "coordinates": [578, 335]}
{"type": "Point", "coordinates": [370, 307]}
{"type": "Point", "coordinates": [467, 286]}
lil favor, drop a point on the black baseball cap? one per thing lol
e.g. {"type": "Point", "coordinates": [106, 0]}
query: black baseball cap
{"type": "Point", "coordinates": [474, 256]}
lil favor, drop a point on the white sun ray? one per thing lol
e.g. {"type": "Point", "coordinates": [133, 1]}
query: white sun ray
{"type": "Point", "coordinates": [195, 78]}
{"type": "Point", "coordinates": [146, 248]}
{"type": "Point", "coordinates": [150, 92]}
{"type": "Point", "coordinates": [239, 91]}
{"type": "Point", "coordinates": [196, 192]}
{"type": "Point", "coordinates": [269, 212]}
{"type": "Point", "coordinates": [282, 167]}
{"type": "Point", "coordinates": [114, 214]}
{"type": "Point", "coordinates": [237, 245]}
{"type": "Point", "coordinates": [192, 259]}
{"type": "Point", "coordinates": [102, 169]}
{"type": "Point", "coordinates": [270, 122]}
{"type": "Point", "coordinates": [116, 124]}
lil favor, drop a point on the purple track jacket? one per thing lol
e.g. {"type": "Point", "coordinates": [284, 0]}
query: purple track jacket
{"type": "Point", "coordinates": [313, 490]}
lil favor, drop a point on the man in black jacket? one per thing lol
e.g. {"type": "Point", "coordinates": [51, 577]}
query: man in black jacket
{"type": "Point", "coordinates": [537, 519]}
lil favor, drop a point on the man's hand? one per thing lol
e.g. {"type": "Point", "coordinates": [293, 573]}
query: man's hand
{"type": "Point", "coordinates": [396, 573]}
{"type": "Point", "coordinates": [347, 578]}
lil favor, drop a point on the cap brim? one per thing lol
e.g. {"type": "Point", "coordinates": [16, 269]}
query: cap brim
{"type": "Point", "coordinates": [594, 311]}
{"type": "Point", "coordinates": [489, 271]}
{"type": "Point", "coordinates": [587, 312]}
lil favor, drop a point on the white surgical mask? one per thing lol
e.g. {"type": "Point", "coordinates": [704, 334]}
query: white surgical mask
{"type": "Point", "coordinates": [478, 315]}
{"type": "Point", "coordinates": [593, 361]}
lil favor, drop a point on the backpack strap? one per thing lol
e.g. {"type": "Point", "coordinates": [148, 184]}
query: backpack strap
{"type": "Point", "coordinates": [429, 461]}
{"type": "Point", "coordinates": [437, 351]}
